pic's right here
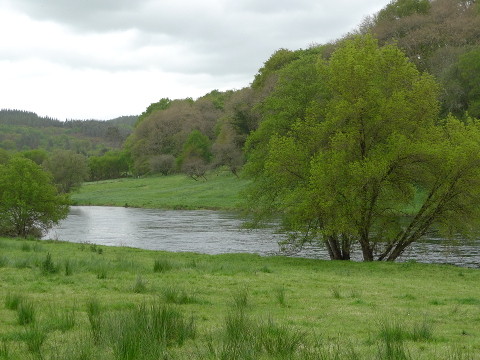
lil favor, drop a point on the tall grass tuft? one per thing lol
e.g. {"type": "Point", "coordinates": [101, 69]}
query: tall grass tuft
{"type": "Point", "coordinates": [393, 331]}
{"type": "Point", "coordinates": [102, 273]}
{"type": "Point", "coordinates": [422, 331]}
{"type": "Point", "coordinates": [62, 320]}
{"type": "Point", "coordinates": [4, 352]}
{"type": "Point", "coordinates": [244, 338]}
{"type": "Point", "coordinates": [3, 261]}
{"type": "Point", "coordinates": [396, 331]}
{"type": "Point", "coordinates": [94, 313]}
{"type": "Point", "coordinates": [240, 298]}
{"type": "Point", "coordinates": [392, 341]}
{"type": "Point", "coordinates": [48, 266]}
{"type": "Point", "coordinates": [12, 301]}
{"type": "Point", "coordinates": [280, 295]}
{"type": "Point", "coordinates": [238, 338]}
{"type": "Point", "coordinates": [140, 286]}
{"type": "Point", "coordinates": [173, 295]}
{"type": "Point", "coordinates": [25, 313]}
{"type": "Point", "coordinates": [26, 247]}
{"type": "Point", "coordinates": [162, 265]}
{"type": "Point", "coordinates": [146, 332]}
{"type": "Point", "coordinates": [68, 268]}
{"type": "Point", "coordinates": [280, 341]}
{"type": "Point", "coordinates": [34, 339]}
{"type": "Point", "coordinates": [393, 350]}
{"type": "Point", "coordinates": [336, 292]}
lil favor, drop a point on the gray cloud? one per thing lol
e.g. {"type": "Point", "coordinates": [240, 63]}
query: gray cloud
{"type": "Point", "coordinates": [217, 35]}
{"type": "Point", "coordinates": [209, 39]}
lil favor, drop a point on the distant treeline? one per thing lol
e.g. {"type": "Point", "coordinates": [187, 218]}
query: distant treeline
{"type": "Point", "coordinates": [23, 130]}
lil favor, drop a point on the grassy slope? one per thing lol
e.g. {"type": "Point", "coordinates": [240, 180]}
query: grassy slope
{"type": "Point", "coordinates": [343, 304]}
{"type": "Point", "coordinates": [220, 191]}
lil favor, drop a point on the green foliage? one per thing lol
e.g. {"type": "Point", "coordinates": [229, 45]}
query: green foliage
{"type": "Point", "coordinates": [196, 155]}
{"type": "Point", "coordinates": [25, 131]}
{"type": "Point", "coordinates": [162, 104]}
{"type": "Point", "coordinates": [38, 156]}
{"type": "Point", "coordinates": [397, 9]}
{"type": "Point", "coordinates": [29, 203]}
{"type": "Point", "coordinates": [69, 169]}
{"type": "Point", "coordinates": [277, 61]}
{"type": "Point", "coordinates": [469, 68]}
{"type": "Point", "coordinates": [111, 165]}
{"type": "Point", "coordinates": [354, 147]}
{"type": "Point", "coordinates": [4, 156]}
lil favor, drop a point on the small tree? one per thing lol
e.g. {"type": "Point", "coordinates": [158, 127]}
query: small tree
{"type": "Point", "coordinates": [196, 155]}
{"type": "Point", "coordinates": [162, 164]}
{"type": "Point", "coordinates": [69, 169]}
{"type": "Point", "coordinates": [29, 202]}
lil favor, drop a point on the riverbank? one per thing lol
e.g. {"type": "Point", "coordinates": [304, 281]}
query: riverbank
{"type": "Point", "coordinates": [71, 301]}
{"type": "Point", "coordinates": [221, 190]}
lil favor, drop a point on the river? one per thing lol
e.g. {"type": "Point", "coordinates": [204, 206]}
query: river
{"type": "Point", "coordinates": [215, 232]}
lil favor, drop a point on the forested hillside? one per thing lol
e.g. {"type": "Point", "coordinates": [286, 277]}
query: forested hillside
{"type": "Point", "coordinates": [23, 130]}
{"type": "Point", "coordinates": [441, 37]}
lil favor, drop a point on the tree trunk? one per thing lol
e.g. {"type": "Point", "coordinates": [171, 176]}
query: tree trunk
{"type": "Point", "coordinates": [338, 250]}
{"type": "Point", "coordinates": [367, 251]}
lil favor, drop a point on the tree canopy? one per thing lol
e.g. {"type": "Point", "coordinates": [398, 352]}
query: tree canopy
{"type": "Point", "coordinates": [358, 155]}
{"type": "Point", "coordinates": [29, 202]}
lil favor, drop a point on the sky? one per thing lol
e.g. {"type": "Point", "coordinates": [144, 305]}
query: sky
{"type": "Point", "coordinates": [101, 59]}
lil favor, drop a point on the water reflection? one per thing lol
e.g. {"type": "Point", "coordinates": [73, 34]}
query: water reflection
{"type": "Point", "coordinates": [214, 232]}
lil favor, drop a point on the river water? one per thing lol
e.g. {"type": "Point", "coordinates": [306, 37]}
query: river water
{"type": "Point", "coordinates": [215, 232]}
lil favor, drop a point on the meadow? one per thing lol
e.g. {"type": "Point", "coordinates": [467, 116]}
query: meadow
{"type": "Point", "coordinates": [82, 301]}
{"type": "Point", "coordinates": [221, 190]}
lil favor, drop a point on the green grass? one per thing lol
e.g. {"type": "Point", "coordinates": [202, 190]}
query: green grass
{"type": "Point", "coordinates": [194, 306]}
{"type": "Point", "coordinates": [221, 190]}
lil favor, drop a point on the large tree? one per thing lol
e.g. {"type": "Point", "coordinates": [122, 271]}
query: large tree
{"type": "Point", "coordinates": [29, 202]}
{"type": "Point", "coordinates": [358, 155]}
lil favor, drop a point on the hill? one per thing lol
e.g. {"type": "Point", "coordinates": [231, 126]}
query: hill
{"type": "Point", "coordinates": [23, 130]}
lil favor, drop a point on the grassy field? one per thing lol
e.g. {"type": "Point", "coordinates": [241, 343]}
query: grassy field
{"type": "Point", "coordinates": [220, 191]}
{"type": "Point", "coordinates": [81, 301]}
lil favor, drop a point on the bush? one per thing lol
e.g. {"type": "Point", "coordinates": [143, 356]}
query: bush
{"type": "Point", "coordinates": [164, 164]}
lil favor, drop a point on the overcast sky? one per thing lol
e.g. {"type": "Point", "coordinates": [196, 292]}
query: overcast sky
{"type": "Point", "coordinates": [102, 59]}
